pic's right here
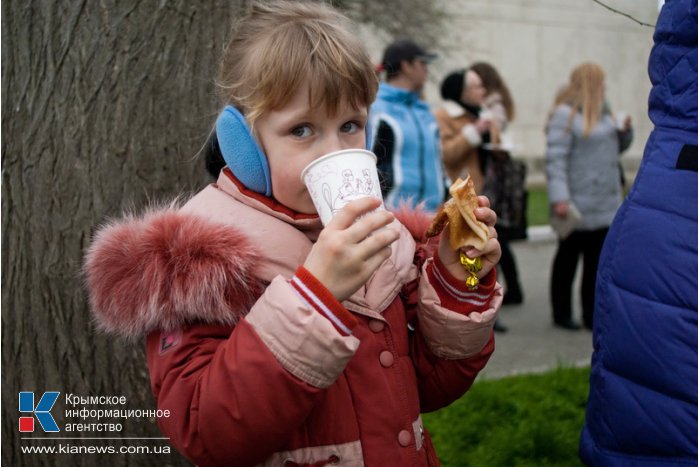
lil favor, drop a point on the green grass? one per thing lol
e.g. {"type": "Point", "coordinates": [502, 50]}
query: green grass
{"type": "Point", "coordinates": [531, 420]}
{"type": "Point", "coordinates": [537, 206]}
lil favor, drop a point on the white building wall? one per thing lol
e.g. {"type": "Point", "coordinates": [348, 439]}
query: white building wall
{"type": "Point", "coordinates": [536, 43]}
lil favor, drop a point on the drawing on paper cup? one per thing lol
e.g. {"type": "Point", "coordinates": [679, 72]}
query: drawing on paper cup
{"type": "Point", "coordinates": [352, 188]}
{"type": "Point", "coordinates": [340, 177]}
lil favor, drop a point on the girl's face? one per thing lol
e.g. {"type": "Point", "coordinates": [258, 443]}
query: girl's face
{"type": "Point", "coordinates": [474, 91]}
{"type": "Point", "coordinates": [295, 135]}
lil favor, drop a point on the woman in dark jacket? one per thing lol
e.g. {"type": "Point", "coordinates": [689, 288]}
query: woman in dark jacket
{"type": "Point", "coordinates": [499, 108]}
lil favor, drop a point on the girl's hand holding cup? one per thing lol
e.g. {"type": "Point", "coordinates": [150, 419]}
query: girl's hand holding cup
{"type": "Point", "coordinates": [344, 186]}
{"type": "Point", "coordinates": [352, 246]}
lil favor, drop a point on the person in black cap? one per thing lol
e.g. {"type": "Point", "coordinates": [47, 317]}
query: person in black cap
{"type": "Point", "coordinates": [405, 50]}
{"type": "Point", "coordinates": [406, 138]}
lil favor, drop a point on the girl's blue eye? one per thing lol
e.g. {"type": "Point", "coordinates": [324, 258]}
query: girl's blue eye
{"type": "Point", "coordinates": [302, 131]}
{"type": "Point", "coordinates": [350, 127]}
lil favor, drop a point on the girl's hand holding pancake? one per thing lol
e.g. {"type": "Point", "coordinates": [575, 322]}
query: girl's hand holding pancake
{"type": "Point", "coordinates": [490, 254]}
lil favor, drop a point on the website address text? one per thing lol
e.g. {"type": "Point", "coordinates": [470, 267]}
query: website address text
{"type": "Point", "coordinates": [79, 449]}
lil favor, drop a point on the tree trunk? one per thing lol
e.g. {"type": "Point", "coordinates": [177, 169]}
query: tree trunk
{"type": "Point", "coordinates": [105, 106]}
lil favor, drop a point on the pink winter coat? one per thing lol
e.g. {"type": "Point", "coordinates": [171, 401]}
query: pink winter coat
{"type": "Point", "coordinates": [257, 362]}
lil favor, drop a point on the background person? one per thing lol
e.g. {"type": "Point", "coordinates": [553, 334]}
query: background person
{"type": "Point", "coordinates": [406, 139]}
{"type": "Point", "coordinates": [498, 101]}
{"type": "Point", "coordinates": [643, 399]}
{"type": "Point", "coordinates": [583, 149]}
{"type": "Point", "coordinates": [462, 131]}
{"type": "Point", "coordinates": [499, 108]}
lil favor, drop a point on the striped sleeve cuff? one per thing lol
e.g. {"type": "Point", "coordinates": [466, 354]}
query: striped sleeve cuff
{"type": "Point", "coordinates": [319, 298]}
{"type": "Point", "coordinates": [454, 294]}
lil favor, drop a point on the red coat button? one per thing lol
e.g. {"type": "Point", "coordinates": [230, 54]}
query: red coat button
{"type": "Point", "coordinates": [376, 326]}
{"type": "Point", "coordinates": [404, 438]}
{"type": "Point", "coordinates": [386, 359]}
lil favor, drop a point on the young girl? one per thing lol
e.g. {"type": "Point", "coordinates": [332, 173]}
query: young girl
{"type": "Point", "coordinates": [270, 339]}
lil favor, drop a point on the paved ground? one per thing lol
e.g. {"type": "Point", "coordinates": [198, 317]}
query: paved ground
{"type": "Point", "coordinates": [532, 344]}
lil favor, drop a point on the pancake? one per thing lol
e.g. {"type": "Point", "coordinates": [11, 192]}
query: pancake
{"type": "Point", "coordinates": [458, 215]}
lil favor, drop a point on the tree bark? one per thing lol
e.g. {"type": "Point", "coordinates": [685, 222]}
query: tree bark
{"type": "Point", "coordinates": [106, 105]}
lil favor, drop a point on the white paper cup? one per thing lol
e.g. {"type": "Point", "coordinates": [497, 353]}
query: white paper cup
{"type": "Point", "coordinates": [340, 177]}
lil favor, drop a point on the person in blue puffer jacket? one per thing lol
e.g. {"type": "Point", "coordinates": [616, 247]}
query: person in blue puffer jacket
{"type": "Point", "coordinates": [405, 133]}
{"type": "Point", "coordinates": [642, 406]}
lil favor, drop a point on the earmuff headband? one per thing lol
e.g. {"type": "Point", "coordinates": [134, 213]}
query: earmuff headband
{"type": "Point", "coordinates": [241, 151]}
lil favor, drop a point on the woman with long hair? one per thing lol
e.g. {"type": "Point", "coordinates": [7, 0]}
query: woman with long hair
{"type": "Point", "coordinates": [498, 101]}
{"type": "Point", "coordinates": [583, 175]}
{"type": "Point", "coordinates": [498, 107]}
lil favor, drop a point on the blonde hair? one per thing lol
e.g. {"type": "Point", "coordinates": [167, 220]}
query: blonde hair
{"type": "Point", "coordinates": [585, 94]}
{"type": "Point", "coordinates": [280, 45]}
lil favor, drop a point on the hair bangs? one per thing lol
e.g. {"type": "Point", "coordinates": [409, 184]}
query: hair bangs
{"type": "Point", "coordinates": [286, 45]}
{"type": "Point", "coordinates": [332, 85]}
{"type": "Point", "coordinates": [332, 62]}
{"type": "Point", "coordinates": [280, 70]}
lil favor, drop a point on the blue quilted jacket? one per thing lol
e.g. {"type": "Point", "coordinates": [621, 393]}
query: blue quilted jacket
{"type": "Point", "coordinates": [642, 407]}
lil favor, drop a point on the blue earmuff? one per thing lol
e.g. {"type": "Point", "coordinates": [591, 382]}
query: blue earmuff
{"type": "Point", "coordinates": [241, 151]}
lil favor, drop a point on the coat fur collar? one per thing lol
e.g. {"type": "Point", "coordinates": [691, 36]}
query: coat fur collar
{"type": "Point", "coordinates": [167, 268]}
{"type": "Point", "coordinates": [171, 267]}
{"type": "Point", "coordinates": [453, 109]}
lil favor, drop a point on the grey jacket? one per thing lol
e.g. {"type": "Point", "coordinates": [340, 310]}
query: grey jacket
{"type": "Point", "coordinates": [585, 171]}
